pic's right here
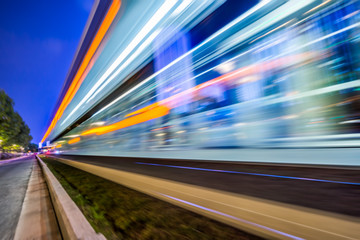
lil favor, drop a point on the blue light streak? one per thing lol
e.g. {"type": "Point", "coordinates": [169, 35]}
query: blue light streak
{"type": "Point", "coordinates": [232, 217]}
{"type": "Point", "coordinates": [249, 173]}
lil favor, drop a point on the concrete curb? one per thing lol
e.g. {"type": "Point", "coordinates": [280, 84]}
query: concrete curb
{"type": "Point", "coordinates": [37, 208]}
{"type": "Point", "coordinates": [73, 224]}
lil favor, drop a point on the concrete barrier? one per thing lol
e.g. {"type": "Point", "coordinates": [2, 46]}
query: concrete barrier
{"type": "Point", "coordinates": [73, 224]}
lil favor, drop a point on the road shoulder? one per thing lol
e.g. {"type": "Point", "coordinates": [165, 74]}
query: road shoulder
{"type": "Point", "coordinates": [37, 219]}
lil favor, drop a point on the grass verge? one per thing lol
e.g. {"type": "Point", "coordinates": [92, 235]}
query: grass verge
{"type": "Point", "coordinates": [122, 213]}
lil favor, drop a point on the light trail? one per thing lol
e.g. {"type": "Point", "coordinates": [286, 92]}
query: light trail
{"type": "Point", "coordinates": [176, 100]}
{"type": "Point", "coordinates": [74, 140]}
{"type": "Point", "coordinates": [119, 59]}
{"type": "Point", "coordinates": [109, 75]}
{"type": "Point", "coordinates": [232, 217]}
{"type": "Point", "coordinates": [79, 77]}
{"type": "Point", "coordinates": [249, 173]}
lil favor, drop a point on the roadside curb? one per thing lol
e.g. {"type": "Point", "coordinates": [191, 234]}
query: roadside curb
{"type": "Point", "coordinates": [73, 224]}
{"type": "Point", "coordinates": [37, 194]}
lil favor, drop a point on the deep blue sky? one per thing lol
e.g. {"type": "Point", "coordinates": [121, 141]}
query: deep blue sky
{"type": "Point", "coordinates": [38, 40]}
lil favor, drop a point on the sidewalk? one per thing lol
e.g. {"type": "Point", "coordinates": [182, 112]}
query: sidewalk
{"type": "Point", "coordinates": [37, 219]}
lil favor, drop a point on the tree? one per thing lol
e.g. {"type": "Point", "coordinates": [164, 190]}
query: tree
{"type": "Point", "coordinates": [33, 147]}
{"type": "Point", "coordinates": [14, 133]}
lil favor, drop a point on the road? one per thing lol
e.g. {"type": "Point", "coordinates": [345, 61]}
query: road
{"type": "Point", "coordinates": [329, 189]}
{"type": "Point", "coordinates": [14, 178]}
{"type": "Point", "coordinates": [229, 193]}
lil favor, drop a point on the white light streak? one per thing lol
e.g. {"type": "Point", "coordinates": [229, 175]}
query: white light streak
{"type": "Point", "coordinates": [222, 30]}
{"type": "Point", "coordinates": [154, 20]}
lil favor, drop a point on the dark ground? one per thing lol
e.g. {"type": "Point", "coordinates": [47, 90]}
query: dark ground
{"type": "Point", "coordinates": [122, 213]}
{"type": "Point", "coordinates": [332, 197]}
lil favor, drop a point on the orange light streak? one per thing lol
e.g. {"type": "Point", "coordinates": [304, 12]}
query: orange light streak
{"type": "Point", "coordinates": [79, 77]}
{"type": "Point", "coordinates": [74, 140]}
{"type": "Point", "coordinates": [151, 114]}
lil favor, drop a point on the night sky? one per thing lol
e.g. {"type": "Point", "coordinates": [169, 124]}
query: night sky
{"type": "Point", "coordinates": [38, 40]}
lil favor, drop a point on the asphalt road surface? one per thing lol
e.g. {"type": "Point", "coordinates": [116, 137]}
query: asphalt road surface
{"type": "Point", "coordinates": [332, 189]}
{"type": "Point", "coordinates": [14, 178]}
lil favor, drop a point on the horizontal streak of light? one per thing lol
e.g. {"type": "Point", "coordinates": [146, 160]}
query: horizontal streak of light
{"type": "Point", "coordinates": [176, 100]}
{"type": "Point", "coordinates": [318, 6]}
{"type": "Point", "coordinates": [248, 173]}
{"type": "Point", "coordinates": [172, 99]}
{"type": "Point", "coordinates": [273, 30]}
{"type": "Point", "coordinates": [74, 140]}
{"type": "Point", "coordinates": [154, 75]}
{"type": "Point", "coordinates": [232, 217]}
{"type": "Point", "coordinates": [148, 78]}
{"type": "Point", "coordinates": [175, 61]}
{"type": "Point", "coordinates": [355, 25]}
{"type": "Point", "coordinates": [333, 88]}
{"type": "Point", "coordinates": [77, 81]}
{"type": "Point", "coordinates": [72, 136]}
{"type": "Point", "coordinates": [154, 113]}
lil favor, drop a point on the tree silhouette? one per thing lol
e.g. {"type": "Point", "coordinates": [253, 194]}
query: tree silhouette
{"type": "Point", "coordinates": [14, 133]}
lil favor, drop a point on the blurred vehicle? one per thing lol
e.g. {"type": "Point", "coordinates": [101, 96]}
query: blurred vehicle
{"type": "Point", "coordinates": [281, 74]}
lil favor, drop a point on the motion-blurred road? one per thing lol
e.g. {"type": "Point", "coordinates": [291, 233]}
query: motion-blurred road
{"type": "Point", "coordinates": [332, 189]}
{"type": "Point", "coordinates": [14, 178]}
